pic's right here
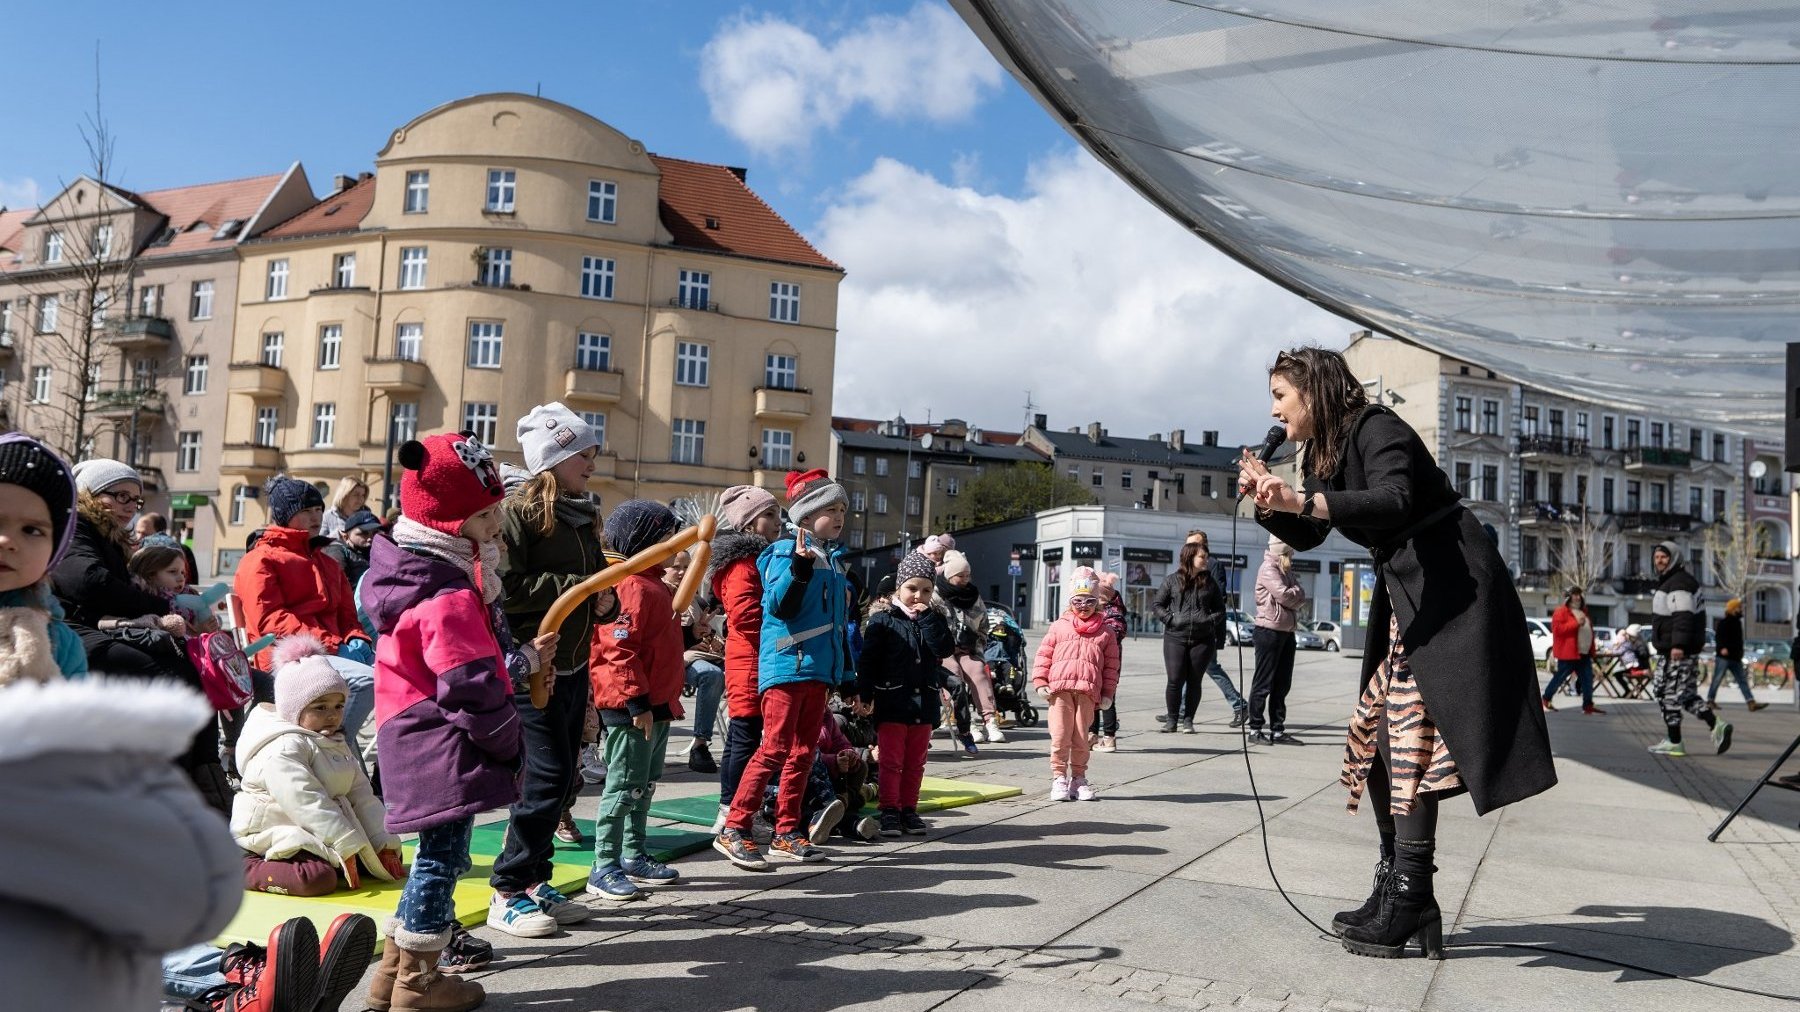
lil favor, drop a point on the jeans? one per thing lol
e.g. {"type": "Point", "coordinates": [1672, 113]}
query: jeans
{"type": "Point", "coordinates": [903, 749]}
{"type": "Point", "coordinates": [1734, 665]}
{"type": "Point", "coordinates": [1274, 676]}
{"type": "Point", "coordinates": [361, 679]}
{"type": "Point", "coordinates": [743, 735]}
{"type": "Point", "coordinates": [1583, 669]}
{"type": "Point", "coordinates": [193, 971]}
{"type": "Point", "coordinates": [708, 682]}
{"type": "Point", "coordinates": [552, 757]}
{"type": "Point", "coordinates": [634, 762]}
{"type": "Point", "coordinates": [1216, 672]}
{"type": "Point", "coordinates": [428, 901]}
{"type": "Point", "coordinates": [792, 713]}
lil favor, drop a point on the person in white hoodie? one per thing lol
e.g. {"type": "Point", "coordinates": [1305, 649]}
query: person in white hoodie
{"type": "Point", "coordinates": [305, 813]}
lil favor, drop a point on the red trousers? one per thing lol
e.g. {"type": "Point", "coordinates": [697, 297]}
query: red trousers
{"type": "Point", "coordinates": [791, 716]}
{"type": "Point", "coordinates": [300, 875]}
{"type": "Point", "coordinates": [903, 749]}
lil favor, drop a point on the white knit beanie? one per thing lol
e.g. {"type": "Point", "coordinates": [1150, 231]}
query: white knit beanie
{"type": "Point", "coordinates": [550, 434]}
{"type": "Point", "coordinates": [99, 474]}
{"type": "Point", "coordinates": [303, 673]}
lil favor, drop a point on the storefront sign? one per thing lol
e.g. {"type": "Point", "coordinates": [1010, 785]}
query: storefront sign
{"type": "Point", "coordinates": [188, 501]}
{"type": "Point", "coordinates": [1025, 551]}
{"type": "Point", "coordinates": [1086, 549]}
{"type": "Point", "coordinates": [1163, 555]}
{"type": "Point", "coordinates": [1306, 565]}
{"type": "Point", "coordinates": [1052, 555]}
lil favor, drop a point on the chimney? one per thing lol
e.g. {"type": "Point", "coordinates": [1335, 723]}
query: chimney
{"type": "Point", "coordinates": [1209, 437]}
{"type": "Point", "coordinates": [742, 173]}
{"type": "Point", "coordinates": [340, 183]}
{"type": "Point", "coordinates": [1177, 439]}
{"type": "Point", "coordinates": [1094, 432]}
{"type": "Point", "coordinates": [1156, 437]}
{"type": "Point", "coordinates": [364, 176]}
{"type": "Point", "coordinates": [1041, 422]}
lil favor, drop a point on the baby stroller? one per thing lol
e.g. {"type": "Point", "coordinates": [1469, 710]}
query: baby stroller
{"type": "Point", "coordinates": [1006, 662]}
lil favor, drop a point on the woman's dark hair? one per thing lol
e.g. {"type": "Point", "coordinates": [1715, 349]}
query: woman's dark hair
{"type": "Point", "coordinates": [1334, 397]}
{"type": "Point", "coordinates": [1189, 577]}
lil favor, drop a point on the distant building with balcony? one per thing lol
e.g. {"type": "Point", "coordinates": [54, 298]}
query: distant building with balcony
{"type": "Point", "coordinates": [1567, 486]}
{"type": "Point", "coordinates": [143, 287]}
{"type": "Point", "coordinates": [1769, 611]}
{"type": "Point", "coordinates": [906, 479]}
{"type": "Point", "coordinates": [1154, 473]}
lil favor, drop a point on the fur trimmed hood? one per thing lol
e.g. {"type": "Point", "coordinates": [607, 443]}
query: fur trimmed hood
{"type": "Point", "coordinates": [99, 714]}
{"type": "Point", "coordinates": [729, 546]}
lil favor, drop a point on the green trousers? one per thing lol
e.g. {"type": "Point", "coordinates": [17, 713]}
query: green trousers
{"type": "Point", "coordinates": [633, 765]}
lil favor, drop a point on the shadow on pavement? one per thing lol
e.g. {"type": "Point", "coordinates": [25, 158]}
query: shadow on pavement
{"type": "Point", "coordinates": [1711, 941]}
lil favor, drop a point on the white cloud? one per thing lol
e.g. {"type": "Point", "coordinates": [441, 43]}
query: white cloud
{"type": "Point", "coordinates": [773, 84]}
{"type": "Point", "coordinates": [958, 301]}
{"type": "Point", "coordinates": [20, 193]}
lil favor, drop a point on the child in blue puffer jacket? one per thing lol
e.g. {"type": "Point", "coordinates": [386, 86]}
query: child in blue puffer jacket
{"type": "Point", "coordinates": [805, 654]}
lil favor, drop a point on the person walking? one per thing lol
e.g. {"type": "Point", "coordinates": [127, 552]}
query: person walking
{"type": "Point", "coordinates": [1678, 632]}
{"type": "Point", "coordinates": [1278, 601]}
{"type": "Point", "coordinates": [1240, 710]}
{"type": "Point", "coordinates": [1191, 607]}
{"type": "Point", "coordinates": [1572, 644]}
{"type": "Point", "coordinates": [1728, 654]}
{"type": "Point", "coordinates": [1447, 658]}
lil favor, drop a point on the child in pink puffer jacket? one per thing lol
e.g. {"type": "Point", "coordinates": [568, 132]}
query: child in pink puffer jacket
{"type": "Point", "coordinates": [1077, 672]}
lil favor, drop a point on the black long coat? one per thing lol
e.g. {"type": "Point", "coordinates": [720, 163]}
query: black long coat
{"type": "Point", "coordinates": [1459, 613]}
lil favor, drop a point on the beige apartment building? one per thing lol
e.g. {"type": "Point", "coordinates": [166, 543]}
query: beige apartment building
{"type": "Point", "coordinates": [509, 250]}
{"type": "Point", "coordinates": [156, 274]}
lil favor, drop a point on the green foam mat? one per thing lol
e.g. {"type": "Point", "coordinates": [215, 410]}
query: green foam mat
{"type": "Point", "coordinates": [935, 794]}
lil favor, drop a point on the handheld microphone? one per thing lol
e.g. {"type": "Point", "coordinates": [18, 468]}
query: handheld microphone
{"type": "Point", "coordinates": [1272, 441]}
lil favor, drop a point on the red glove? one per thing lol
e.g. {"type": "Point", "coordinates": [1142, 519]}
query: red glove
{"type": "Point", "coordinates": [351, 876]}
{"type": "Point", "coordinates": [390, 860]}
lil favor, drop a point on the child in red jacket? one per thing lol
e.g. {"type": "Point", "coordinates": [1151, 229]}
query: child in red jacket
{"type": "Point", "coordinates": [637, 671]}
{"type": "Point", "coordinates": [749, 518]}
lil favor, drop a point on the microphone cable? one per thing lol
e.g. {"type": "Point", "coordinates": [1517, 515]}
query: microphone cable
{"type": "Point", "coordinates": [1262, 820]}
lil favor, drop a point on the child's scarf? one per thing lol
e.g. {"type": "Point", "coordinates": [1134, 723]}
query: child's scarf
{"type": "Point", "coordinates": [457, 550]}
{"type": "Point", "coordinates": [1086, 626]}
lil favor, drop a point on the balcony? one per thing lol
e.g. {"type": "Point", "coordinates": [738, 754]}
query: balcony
{"type": "Point", "coordinates": [1657, 458]}
{"type": "Point", "coordinates": [7, 346]}
{"type": "Point", "coordinates": [249, 459]}
{"type": "Point", "coordinates": [593, 386]}
{"type": "Point", "coordinates": [1537, 579]}
{"type": "Point", "coordinates": [140, 333]}
{"type": "Point", "coordinates": [1637, 586]}
{"type": "Point", "coordinates": [1651, 522]}
{"type": "Point", "coordinates": [697, 305]}
{"type": "Point", "coordinates": [256, 380]}
{"type": "Point", "coordinates": [773, 479]}
{"type": "Point", "coordinates": [122, 403]}
{"type": "Point", "coordinates": [395, 375]}
{"type": "Point", "coordinates": [793, 405]}
{"type": "Point", "coordinates": [1552, 446]}
{"type": "Point", "coordinates": [1544, 513]}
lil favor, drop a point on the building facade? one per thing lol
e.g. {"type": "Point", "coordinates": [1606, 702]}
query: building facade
{"type": "Point", "coordinates": [906, 480]}
{"type": "Point", "coordinates": [1155, 473]}
{"type": "Point", "coordinates": [507, 251]}
{"type": "Point", "coordinates": [141, 288]}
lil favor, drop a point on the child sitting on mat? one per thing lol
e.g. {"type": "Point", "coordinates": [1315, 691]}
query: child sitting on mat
{"type": "Point", "coordinates": [305, 813]}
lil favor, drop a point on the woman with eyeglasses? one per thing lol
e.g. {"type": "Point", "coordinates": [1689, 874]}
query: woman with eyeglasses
{"type": "Point", "coordinates": [127, 630]}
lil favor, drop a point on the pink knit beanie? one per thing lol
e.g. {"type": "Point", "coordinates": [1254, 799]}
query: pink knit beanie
{"type": "Point", "coordinates": [742, 504]}
{"type": "Point", "coordinates": [303, 673]}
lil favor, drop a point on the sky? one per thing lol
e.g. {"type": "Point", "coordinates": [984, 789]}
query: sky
{"type": "Point", "coordinates": [988, 257]}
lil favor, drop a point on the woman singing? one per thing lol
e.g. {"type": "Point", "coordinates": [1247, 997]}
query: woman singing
{"type": "Point", "coordinates": [1449, 702]}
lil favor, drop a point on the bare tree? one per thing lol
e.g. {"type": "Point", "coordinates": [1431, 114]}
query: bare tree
{"type": "Point", "coordinates": [1589, 544]}
{"type": "Point", "coordinates": [1732, 547]}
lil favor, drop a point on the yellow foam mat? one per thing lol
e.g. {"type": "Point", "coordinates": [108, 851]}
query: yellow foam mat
{"type": "Point", "coordinates": [938, 793]}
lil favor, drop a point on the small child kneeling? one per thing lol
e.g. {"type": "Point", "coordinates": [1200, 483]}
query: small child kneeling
{"type": "Point", "coordinates": [1077, 671]}
{"type": "Point", "coordinates": [305, 813]}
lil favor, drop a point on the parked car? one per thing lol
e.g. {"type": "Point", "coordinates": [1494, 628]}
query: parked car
{"type": "Point", "coordinates": [1330, 633]}
{"type": "Point", "coordinates": [1238, 628]}
{"type": "Point", "coordinates": [1306, 639]}
{"type": "Point", "coordinates": [1541, 641]}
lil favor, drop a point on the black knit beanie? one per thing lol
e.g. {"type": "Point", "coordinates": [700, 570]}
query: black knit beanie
{"type": "Point", "coordinates": [27, 463]}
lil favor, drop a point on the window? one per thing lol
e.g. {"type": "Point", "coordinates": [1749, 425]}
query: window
{"type": "Point", "coordinates": [276, 287]}
{"type": "Point", "coordinates": [143, 373]}
{"type": "Point", "coordinates": [483, 419]}
{"type": "Point", "coordinates": [403, 421]}
{"type": "Point", "coordinates": [324, 429]}
{"type": "Point", "coordinates": [593, 352]}
{"type": "Point", "coordinates": [1206, 486]}
{"type": "Point", "coordinates": [687, 445]}
{"type": "Point", "coordinates": [603, 201]}
{"type": "Point", "coordinates": [781, 372]}
{"type": "Point", "coordinates": [691, 361]}
{"type": "Point", "coordinates": [694, 289]}
{"type": "Point", "coordinates": [881, 503]}
{"type": "Point", "coordinates": [1634, 559]}
{"type": "Point", "coordinates": [40, 384]}
{"type": "Point", "coordinates": [1634, 433]}
{"type": "Point", "coordinates": [1553, 482]}
{"type": "Point", "coordinates": [1606, 495]}
{"type": "Point", "coordinates": [271, 348]}
{"type": "Point", "coordinates": [1606, 432]}
{"type": "Point", "coordinates": [597, 277]}
{"type": "Point", "coordinates": [1656, 435]}
{"type": "Point", "coordinates": [1465, 414]}
{"type": "Point", "coordinates": [859, 465]}
{"type": "Point", "coordinates": [412, 267]}
{"type": "Point", "coordinates": [1658, 494]}
{"type": "Point", "coordinates": [1718, 504]}
{"type": "Point", "coordinates": [103, 237]}
{"type": "Point", "coordinates": [1464, 478]}
{"type": "Point", "coordinates": [912, 506]}
{"type": "Point", "coordinates": [331, 345]}
{"type": "Point", "coordinates": [501, 189]}
{"type": "Point", "coordinates": [1528, 552]}
{"type": "Point", "coordinates": [1528, 491]}
{"type": "Point", "coordinates": [187, 451]}
{"type": "Point", "coordinates": [485, 339]}
{"type": "Point", "coordinates": [952, 486]}
{"type": "Point", "coordinates": [1556, 422]}
{"type": "Point", "coordinates": [915, 469]}
{"type": "Point", "coordinates": [409, 341]}
{"type": "Point", "coordinates": [1581, 426]}
{"type": "Point", "coordinates": [418, 191]}
{"type": "Point", "coordinates": [195, 382]}
{"type": "Point", "coordinates": [268, 422]}
{"type": "Point", "coordinates": [1125, 478]}
{"type": "Point", "coordinates": [881, 467]}
{"type": "Point", "coordinates": [1696, 502]}
{"type": "Point", "coordinates": [496, 267]}
{"type": "Point", "coordinates": [91, 388]}
{"type": "Point", "coordinates": [150, 300]}
{"type": "Point", "coordinates": [880, 539]}
{"type": "Point", "coordinates": [777, 449]}
{"type": "Point", "coordinates": [48, 308]}
{"type": "Point", "coordinates": [53, 247]}
{"type": "Point", "coordinates": [1634, 496]}
{"type": "Point", "coordinates": [1720, 452]}
{"type": "Point", "coordinates": [596, 420]}
{"type": "Point", "coordinates": [1528, 420]}
{"type": "Point", "coordinates": [1490, 417]}
{"type": "Point", "coordinates": [784, 302]}
{"type": "Point", "coordinates": [1098, 478]}
{"type": "Point", "coordinates": [240, 499]}
{"type": "Point", "coordinates": [6, 315]}
{"type": "Point", "coordinates": [859, 501]}
{"type": "Point", "coordinates": [343, 270]}
{"type": "Point", "coordinates": [1074, 473]}
{"type": "Point", "coordinates": [1696, 449]}
{"type": "Point", "coordinates": [101, 301]}
{"type": "Point", "coordinates": [856, 538]}
{"type": "Point", "coordinates": [1490, 482]}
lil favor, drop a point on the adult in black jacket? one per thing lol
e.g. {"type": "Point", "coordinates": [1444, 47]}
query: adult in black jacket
{"type": "Point", "coordinates": [1191, 606]}
{"type": "Point", "coordinates": [1447, 641]}
{"type": "Point", "coordinates": [1678, 631]}
{"type": "Point", "coordinates": [1728, 654]}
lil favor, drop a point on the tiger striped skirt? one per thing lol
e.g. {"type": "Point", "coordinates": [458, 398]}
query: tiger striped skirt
{"type": "Point", "coordinates": [1418, 759]}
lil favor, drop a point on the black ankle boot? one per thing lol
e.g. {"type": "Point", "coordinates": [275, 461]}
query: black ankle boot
{"type": "Point", "coordinates": [1384, 868]}
{"type": "Point", "coordinates": [1408, 911]}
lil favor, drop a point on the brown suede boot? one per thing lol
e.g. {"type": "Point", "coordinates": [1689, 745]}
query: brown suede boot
{"type": "Point", "coordinates": [419, 986]}
{"type": "Point", "coordinates": [381, 987]}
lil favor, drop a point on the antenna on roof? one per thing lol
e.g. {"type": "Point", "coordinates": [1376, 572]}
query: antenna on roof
{"type": "Point", "coordinates": [540, 89]}
{"type": "Point", "coordinates": [1028, 409]}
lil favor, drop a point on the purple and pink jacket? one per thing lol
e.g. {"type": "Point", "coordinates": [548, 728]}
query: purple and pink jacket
{"type": "Point", "coordinates": [446, 728]}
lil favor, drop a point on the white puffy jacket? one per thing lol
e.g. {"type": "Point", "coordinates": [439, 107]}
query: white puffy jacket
{"type": "Point", "coordinates": [304, 791]}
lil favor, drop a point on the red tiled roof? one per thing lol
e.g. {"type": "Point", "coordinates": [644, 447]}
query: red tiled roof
{"type": "Point", "coordinates": [12, 225]}
{"type": "Point", "coordinates": [693, 192]}
{"type": "Point", "coordinates": [196, 212]}
{"type": "Point", "coordinates": [341, 212]}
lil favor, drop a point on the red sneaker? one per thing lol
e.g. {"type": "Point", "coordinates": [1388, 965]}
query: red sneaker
{"type": "Point", "coordinates": [282, 977]}
{"type": "Point", "coordinates": [1591, 709]}
{"type": "Point", "coordinates": [344, 954]}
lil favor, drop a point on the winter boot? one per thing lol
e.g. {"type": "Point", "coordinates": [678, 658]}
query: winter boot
{"type": "Point", "coordinates": [1408, 912]}
{"type": "Point", "coordinates": [381, 986]}
{"type": "Point", "coordinates": [420, 987]}
{"type": "Point", "coordinates": [1363, 914]}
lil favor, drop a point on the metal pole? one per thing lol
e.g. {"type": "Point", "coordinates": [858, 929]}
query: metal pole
{"type": "Point", "coordinates": [387, 468]}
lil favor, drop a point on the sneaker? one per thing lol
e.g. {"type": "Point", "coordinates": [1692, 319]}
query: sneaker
{"type": "Point", "coordinates": [344, 953]}
{"type": "Point", "coordinates": [1059, 789]}
{"type": "Point", "coordinates": [1721, 736]}
{"type": "Point", "coordinates": [282, 975]}
{"type": "Point", "coordinates": [718, 825]}
{"type": "Point", "coordinates": [1239, 716]}
{"type": "Point", "coordinates": [1093, 739]}
{"type": "Point", "coordinates": [518, 915]}
{"type": "Point", "coordinates": [568, 832]}
{"type": "Point", "coordinates": [968, 748]}
{"type": "Point", "coordinates": [740, 850]}
{"type": "Point", "coordinates": [700, 758]}
{"type": "Point", "coordinates": [593, 765]}
{"type": "Point", "coordinates": [1108, 743]}
{"type": "Point", "coordinates": [825, 820]}
{"type": "Point", "coordinates": [978, 733]}
{"type": "Point", "coordinates": [871, 793]}
{"type": "Point", "coordinates": [1080, 790]}
{"type": "Point", "coordinates": [911, 824]}
{"type": "Point", "coordinates": [465, 953]}
{"type": "Point", "coordinates": [795, 847]}
{"type": "Point", "coordinates": [1755, 705]}
{"type": "Point", "coordinates": [890, 823]}
{"type": "Point", "coordinates": [993, 732]}
{"type": "Point", "coordinates": [1672, 749]}
{"type": "Point", "coordinates": [560, 908]}
{"type": "Point", "coordinates": [1187, 727]}
{"type": "Point", "coordinates": [1284, 738]}
{"type": "Point", "coordinates": [645, 870]}
{"type": "Point", "coordinates": [868, 828]}
{"type": "Point", "coordinates": [1261, 737]}
{"type": "Point", "coordinates": [611, 883]}
{"type": "Point", "coordinates": [1592, 710]}
{"type": "Point", "coordinates": [1167, 724]}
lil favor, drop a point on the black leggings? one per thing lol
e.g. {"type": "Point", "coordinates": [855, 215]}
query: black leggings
{"type": "Point", "coordinates": [1186, 664]}
{"type": "Point", "coordinates": [1420, 823]}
